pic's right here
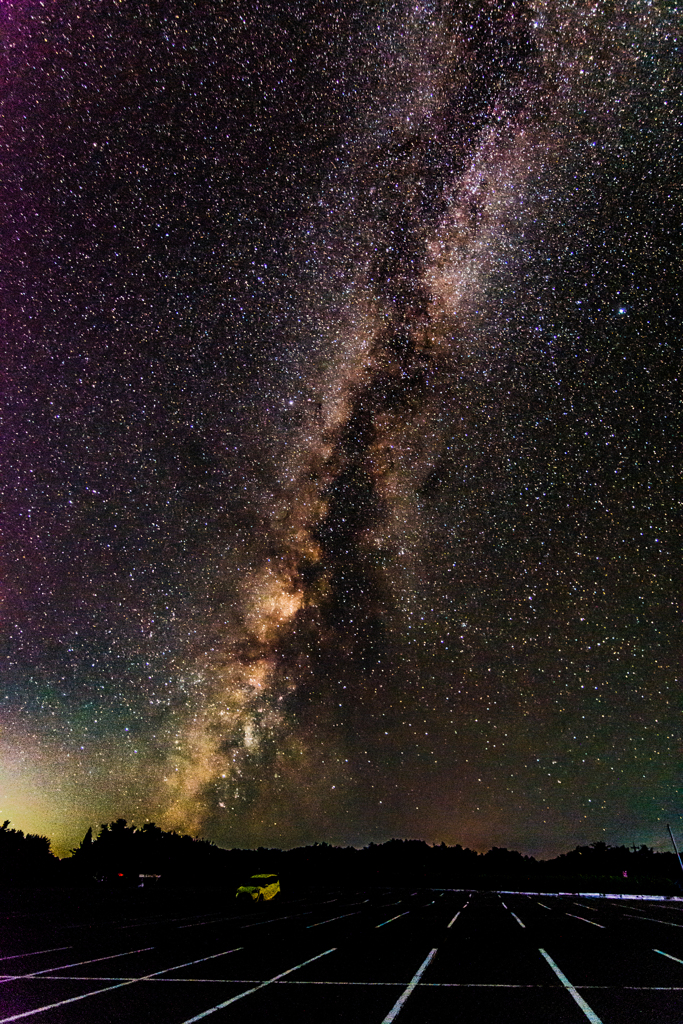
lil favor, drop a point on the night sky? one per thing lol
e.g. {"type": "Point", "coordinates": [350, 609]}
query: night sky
{"type": "Point", "coordinates": [341, 421]}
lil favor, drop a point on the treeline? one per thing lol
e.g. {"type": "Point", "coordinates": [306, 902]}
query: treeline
{"type": "Point", "coordinates": [25, 856]}
{"type": "Point", "coordinates": [122, 854]}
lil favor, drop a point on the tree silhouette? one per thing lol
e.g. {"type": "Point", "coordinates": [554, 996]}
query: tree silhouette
{"type": "Point", "coordinates": [25, 858]}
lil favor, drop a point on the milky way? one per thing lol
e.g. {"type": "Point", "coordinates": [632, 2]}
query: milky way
{"type": "Point", "coordinates": [342, 455]}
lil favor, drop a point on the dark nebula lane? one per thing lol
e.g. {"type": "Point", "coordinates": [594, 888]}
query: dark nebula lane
{"type": "Point", "coordinates": [341, 451]}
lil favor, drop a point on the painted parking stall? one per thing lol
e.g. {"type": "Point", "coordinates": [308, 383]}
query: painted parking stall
{"type": "Point", "coordinates": [376, 957]}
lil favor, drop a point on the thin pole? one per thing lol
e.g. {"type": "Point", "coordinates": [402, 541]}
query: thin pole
{"type": "Point", "coordinates": [675, 847]}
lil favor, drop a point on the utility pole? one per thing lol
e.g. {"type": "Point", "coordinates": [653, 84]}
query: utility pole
{"type": "Point", "coordinates": [675, 847]}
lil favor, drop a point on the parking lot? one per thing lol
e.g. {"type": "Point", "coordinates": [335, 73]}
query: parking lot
{"type": "Point", "coordinates": [375, 956]}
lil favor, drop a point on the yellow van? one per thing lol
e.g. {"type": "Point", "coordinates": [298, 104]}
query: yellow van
{"type": "Point", "coordinates": [259, 888]}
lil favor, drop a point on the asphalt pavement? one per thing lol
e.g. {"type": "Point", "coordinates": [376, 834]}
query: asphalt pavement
{"type": "Point", "coordinates": [370, 957]}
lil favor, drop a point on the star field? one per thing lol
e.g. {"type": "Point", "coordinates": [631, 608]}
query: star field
{"type": "Point", "coordinates": [341, 432]}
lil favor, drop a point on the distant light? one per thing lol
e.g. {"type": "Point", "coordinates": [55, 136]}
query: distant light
{"type": "Point", "coordinates": [622, 310]}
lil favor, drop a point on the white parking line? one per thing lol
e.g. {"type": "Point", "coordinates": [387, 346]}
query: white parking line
{"type": "Point", "coordinates": [396, 1008]}
{"type": "Point", "coordinates": [16, 956]}
{"type": "Point", "coordinates": [584, 919]}
{"type": "Point", "coordinates": [198, 924]}
{"type": "Point", "coordinates": [190, 963]}
{"type": "Point", "coordinates": [110, 988]}
{"type": "Point", "coordinates": [254, 924]}
{"type": "Point", "coordinates": [386, 984]}
{"type": "Point", "coordinates": [317, 923]}
{"type": "Point", "coordinates": [593, 1017]}
{"type": "Point", "coordinates": [544, 906]}
{"type": "Point", "coordinates": [669, 956]}
{"type": "Point", "coordinates": [159, 919]}
{"type": "Point", "coordinates": [80, 963]}
{"type": "Point", "coordinates": [256, 988]}
{"type": "Point", "coordinates": [392, 919]}
{"type": "Point", "coordinates": [452, 922]}
{"type": "Point", "coordinates": [518, 920]}
{"type": "Point", "coordinates": [271, 920]}
{"type": "Point", "coordinates": [673, 924]}
{"type": "Point", "coordinates": [96, 960]}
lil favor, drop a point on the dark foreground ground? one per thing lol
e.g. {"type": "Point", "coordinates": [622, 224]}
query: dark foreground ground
{"type": "Point", "coordinates": [370, 957]}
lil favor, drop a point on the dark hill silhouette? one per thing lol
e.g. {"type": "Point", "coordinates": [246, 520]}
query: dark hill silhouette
{"type": "Point", "coordinates": [121, 853]}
